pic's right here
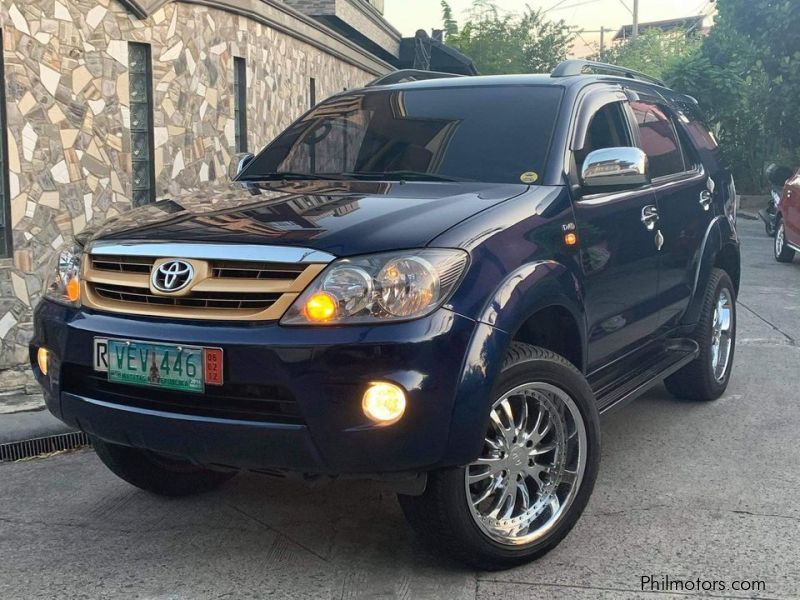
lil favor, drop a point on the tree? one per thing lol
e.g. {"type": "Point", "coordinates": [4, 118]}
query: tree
{"type": "Point", "coordinates": [508, 43]}
{"type": "Point", "coordinates": [654, 51]}
{"type": "Point", "coordinates": [746, 77]}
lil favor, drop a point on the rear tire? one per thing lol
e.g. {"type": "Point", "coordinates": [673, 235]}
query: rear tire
{"type": "Point", "coordinates": [156, 473]}
{"type": "Point", "coordinates": [546, 438]}
{"type": "Point", "coordinates": [783, 253]}
{"type": "Point", "coordinates": [706, 378]}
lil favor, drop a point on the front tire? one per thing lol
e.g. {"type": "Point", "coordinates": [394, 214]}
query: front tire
{"type": "Point", "coordinates": [783, 253]}
{"type": "Point", "coordinates": [156, 473]}
{"type": "Point", "coordinates": [534, 476]}
{"type": "Point", "coordinates": [706, 378]}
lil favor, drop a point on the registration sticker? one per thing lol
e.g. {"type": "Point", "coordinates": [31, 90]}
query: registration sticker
{"type": "Point", "coordinates": [529, 177]}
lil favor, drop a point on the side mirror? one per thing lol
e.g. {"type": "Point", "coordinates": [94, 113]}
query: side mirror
{"type": "Point", "coordinates": [615, 168]}
{"type": "Point", "coordinates": [240, 162]}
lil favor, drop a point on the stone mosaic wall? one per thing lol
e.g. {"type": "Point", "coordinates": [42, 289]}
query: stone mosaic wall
{"type": "Point", "coordinates": [68, 117]}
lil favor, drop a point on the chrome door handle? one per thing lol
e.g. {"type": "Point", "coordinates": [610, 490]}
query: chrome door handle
{"type": "Point", "coordinates": [706, 196]}
{"type": "Point", "coordinates": [650, 217]}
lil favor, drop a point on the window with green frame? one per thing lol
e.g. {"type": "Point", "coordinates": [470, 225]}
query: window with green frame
{"type": "Point", "coordinates": [140, 68]}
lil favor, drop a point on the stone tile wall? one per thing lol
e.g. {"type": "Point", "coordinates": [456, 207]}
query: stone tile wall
{"type": "Point", "coordinates": [67, 93]}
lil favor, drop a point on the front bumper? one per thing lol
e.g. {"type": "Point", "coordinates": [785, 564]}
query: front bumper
{"type": "Point", "coordinates": [324, 371]}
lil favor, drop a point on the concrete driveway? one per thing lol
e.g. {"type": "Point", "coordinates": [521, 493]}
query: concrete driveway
{"type": "Point", "coordinates": [686, 491]}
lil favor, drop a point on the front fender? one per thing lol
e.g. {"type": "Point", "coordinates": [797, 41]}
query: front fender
{"type": "Point", "coordinates": [522, 294]}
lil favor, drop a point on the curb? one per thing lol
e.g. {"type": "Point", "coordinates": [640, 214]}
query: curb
{"type": "Point", "coordinates": [24, 426]}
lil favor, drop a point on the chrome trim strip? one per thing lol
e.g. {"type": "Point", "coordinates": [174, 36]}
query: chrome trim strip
{"type": "Point", "coordinates": [238, 252]}
{"type": "Point", "coordinates": [794, 247]}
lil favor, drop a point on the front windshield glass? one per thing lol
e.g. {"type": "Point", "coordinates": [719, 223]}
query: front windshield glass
{"type": "Point", "coordinates": [490, 134]}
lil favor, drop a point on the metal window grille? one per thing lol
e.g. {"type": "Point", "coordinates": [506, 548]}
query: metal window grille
{"type": "Point", "coordinates": [240, 102]}
{"type": "Point", "coordinates": [6, 236]}
{"type": "Point", "coordinates": [141, 96]}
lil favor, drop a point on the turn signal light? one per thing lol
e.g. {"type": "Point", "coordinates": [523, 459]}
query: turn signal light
{"type": "Point", "coordinates": [73, 289]}
{"type": "Point", "coordinates": [43, 359]}
{"type": "Point", "coordinates": [384, 403]}
{"type": "Point", "coordinates": [320, 307]}
{"type": "Point", "coordinates": [570, 239]}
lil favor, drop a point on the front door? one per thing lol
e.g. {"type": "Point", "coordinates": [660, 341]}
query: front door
{"type": "Point", "coordinates": [618, 254]}
{"type": "Point", "coordinates": [685, 196]}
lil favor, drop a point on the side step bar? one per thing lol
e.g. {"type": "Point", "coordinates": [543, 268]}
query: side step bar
{"type": "Point", "coordinates": [648, 372]}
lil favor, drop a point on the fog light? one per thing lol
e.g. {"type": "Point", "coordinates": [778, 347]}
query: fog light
{"type": "Point", "coordinates": [384, 403]}
{"type": "Point", "coordinates": [43, 359]}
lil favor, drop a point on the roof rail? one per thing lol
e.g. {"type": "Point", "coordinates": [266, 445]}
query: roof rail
{"type": "Point", "coordinates": [405, 75]}
{"type": "Point", "coordinates": [571, 68]}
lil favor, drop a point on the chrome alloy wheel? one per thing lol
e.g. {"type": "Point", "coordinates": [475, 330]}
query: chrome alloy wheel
{"type": "Point", "coordinates": [721, 334]}
{"type": "Point", "coordinates": [532, 464]}
{"type": "Point", "coordinates": [780, 239]}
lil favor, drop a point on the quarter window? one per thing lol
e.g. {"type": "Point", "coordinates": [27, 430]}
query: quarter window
{"type": "Point", "coordinates": [659, 140]}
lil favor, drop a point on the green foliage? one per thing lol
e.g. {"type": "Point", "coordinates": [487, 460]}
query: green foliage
{"type": "Point", "coordinates": [653, 52]}
{"type": "Point", "coordinates": [508, 43]}
{"type": "Point", "coordinates": [746, 77]}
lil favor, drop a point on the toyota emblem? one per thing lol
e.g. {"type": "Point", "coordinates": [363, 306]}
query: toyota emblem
{"type": "Point", "coordinates": [172, 276]}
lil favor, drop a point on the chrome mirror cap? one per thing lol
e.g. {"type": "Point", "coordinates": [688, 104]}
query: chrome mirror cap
{"type": "Point", "coordinates": [240, 162]}
{"type": "Point", "coordinates": [618, 168]}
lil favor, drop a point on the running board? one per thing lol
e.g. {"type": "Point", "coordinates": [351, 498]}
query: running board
{"type": "Point", "coordinates": [644, 373]}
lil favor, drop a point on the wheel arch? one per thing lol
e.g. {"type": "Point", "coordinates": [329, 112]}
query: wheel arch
{"type": "Point", "coordinates": [531, 305]}
{"type": "Point", "coordinates": [720, 249]}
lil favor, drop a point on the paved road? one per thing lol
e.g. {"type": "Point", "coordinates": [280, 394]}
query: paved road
{"type": "Point", "coordinates": [685, 490]}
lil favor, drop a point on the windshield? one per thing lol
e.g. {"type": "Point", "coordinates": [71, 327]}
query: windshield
{"type": "Point", "coordinates": [489, 134]}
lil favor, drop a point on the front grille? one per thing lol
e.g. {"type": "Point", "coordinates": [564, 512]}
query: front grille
{"type": "Point", "coordinates": [122, 264]}
{"type": "Point", "coordinates": [252, 270]}
{"type": "Point", "coordinates": [240, 402]}
{"type": "Point", "coordinates": [223, 300]}
{"type": "Point", "coordinates": [240, 290]}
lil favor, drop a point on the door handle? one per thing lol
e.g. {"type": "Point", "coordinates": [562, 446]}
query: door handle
{"type": "Point", "coordinates": [706, 197]}
{"type": "Point", "coordinates": [650, 217]}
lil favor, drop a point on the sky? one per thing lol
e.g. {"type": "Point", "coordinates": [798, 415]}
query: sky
{"type": "Point", "coordinates": [410, 15]}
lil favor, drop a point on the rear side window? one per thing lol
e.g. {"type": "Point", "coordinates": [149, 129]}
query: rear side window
{"type": "Point", "coordinates": [659, 140]}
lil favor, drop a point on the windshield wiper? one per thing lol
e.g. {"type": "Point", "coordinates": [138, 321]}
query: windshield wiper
{"type": "Point", "coordinates": [403, 175]}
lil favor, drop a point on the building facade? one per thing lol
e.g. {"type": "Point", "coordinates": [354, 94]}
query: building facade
{"type": "Point", "coordinates": [109, 104]}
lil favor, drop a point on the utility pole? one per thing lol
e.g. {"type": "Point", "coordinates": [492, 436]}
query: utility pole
{"type": "Point", "coordinates": [635, 31]}
{"type": "Point", "coordinates": [602, 43]}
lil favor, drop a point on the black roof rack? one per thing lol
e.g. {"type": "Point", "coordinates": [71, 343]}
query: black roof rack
{"type": "Point", "coordinates": [572, 68]}
{"type": "Point", "coordinates": [406, 75]}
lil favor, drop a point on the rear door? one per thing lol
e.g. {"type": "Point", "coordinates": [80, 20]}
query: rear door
{"type": "Point", "coordinates": [685, 198]}
{"type": "Point", "coordinates": [618, 256]}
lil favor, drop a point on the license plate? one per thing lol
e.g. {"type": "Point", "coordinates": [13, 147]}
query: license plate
{"type": "Point", "coordinates": [168, 366]}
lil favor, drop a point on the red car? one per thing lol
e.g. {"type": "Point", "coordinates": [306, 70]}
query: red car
{"type": "Point", "coordinates": [787, 235]}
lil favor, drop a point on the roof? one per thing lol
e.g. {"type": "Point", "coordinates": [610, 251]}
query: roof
{"type": "Point", "coordinates": [666, 25]}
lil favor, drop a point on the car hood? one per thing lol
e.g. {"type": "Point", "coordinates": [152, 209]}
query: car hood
{"type": "Point", "coordinates": [341, 218]}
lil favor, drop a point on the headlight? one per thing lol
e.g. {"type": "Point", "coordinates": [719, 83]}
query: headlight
{"type": "Point", "coordinates": [64, 280]}
{"type": "Point", "coordinates": [383, 287]}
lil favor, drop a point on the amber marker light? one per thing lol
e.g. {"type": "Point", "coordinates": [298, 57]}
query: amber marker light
{"type": "Point", "coordinates": [73, 289]}
{"type": "Point", "coordinates": [320, 307]}
{"type": "Point", "coordinates": [384, 403]}
{"type": "Point", "coordinates": [570, 239]}
{"type": "Point", "coordinates": [43, 359]}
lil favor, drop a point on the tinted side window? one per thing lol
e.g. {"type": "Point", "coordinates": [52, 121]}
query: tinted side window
{"type": "Point", "coordinates": [659, 140]}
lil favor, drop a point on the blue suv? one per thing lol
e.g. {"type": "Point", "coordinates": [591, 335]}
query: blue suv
{"type": "Point", "coordinates": [436, 282]}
